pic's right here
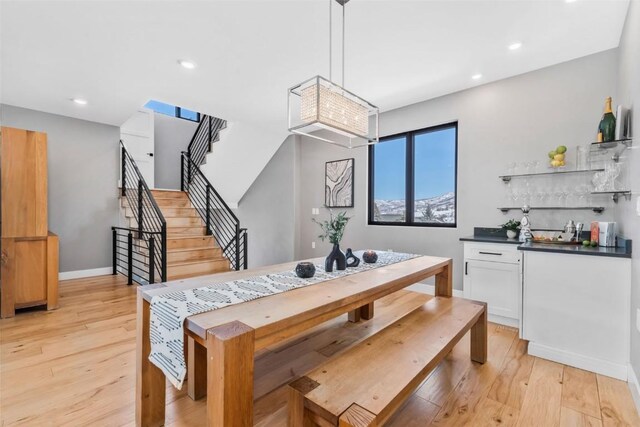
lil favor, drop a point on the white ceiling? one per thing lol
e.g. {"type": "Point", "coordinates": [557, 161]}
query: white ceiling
{"type": "Point", "coordinates": [119, 54]}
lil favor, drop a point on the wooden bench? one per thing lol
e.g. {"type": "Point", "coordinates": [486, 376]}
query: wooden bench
{"type": "Point", "coordinates": [366, 384]}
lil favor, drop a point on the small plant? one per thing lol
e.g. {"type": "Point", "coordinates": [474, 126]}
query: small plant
{"type": "Point", "coordinates": [512, 224]}
{"type": "Point", "coordinates": [333, 229]}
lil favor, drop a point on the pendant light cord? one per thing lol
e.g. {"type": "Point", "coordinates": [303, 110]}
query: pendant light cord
{"type": "Point", "coordinates": [343, 7]}
{"type": "Point", "coordinates": [330, 42]}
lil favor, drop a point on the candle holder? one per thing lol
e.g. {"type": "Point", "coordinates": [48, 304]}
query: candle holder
{"type": "Point", "coordinates": [305, 270]}
{"type": "Point", "coordinates": [370, 257]}
{"type": "Point", "coordinates": [352, 260]}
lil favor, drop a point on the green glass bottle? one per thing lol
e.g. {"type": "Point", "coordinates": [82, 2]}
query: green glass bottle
{"type": "Point", "coordinates": [608, 123]}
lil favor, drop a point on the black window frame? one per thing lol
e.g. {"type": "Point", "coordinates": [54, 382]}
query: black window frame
{"type": "Point", "coordinates": [180, 116]}
{"type": "Point", "coordinates": [410, 179]}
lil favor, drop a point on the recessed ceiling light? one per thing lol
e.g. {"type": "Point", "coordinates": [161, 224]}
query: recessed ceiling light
{"type": "Point", "coordinates": [189, 65]}
{"type": "Point", "coordinates": [476, 76]}
{"type": "Point", "coordinates": [79, 101]}
{"type": "Point", "coordinates": [515, 46]}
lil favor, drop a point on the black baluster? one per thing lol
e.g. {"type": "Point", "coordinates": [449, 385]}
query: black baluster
{"type": "Point", "coordinates": [246, 250]}
{"type": "Point", "coordinates": [182, 172]}
{"type": "Point", "coordinates": [114, 260]}
{"type": "Point", "coordinates": [163, 276]}
{"type": "Point", "coordinates": [237, 246]}
{"type": "Point", "coordinates": [188, 161]}
{"type": "Point", "coordinates": [152, 247]}
{"type": "Point", "coordinates": [124, 172]}
{"type": "Point", "coordinates": [130, 258]}
{"type": "Point", "coordinates": [209, 232]}
{"type": "Point", "coordinates": [210, 138]}
{"type": "Point", "coordinates": [140, 211]}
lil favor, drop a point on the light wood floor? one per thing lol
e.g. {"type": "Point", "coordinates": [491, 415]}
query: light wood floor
{"type": "Point", "coordinates": [76, 366]}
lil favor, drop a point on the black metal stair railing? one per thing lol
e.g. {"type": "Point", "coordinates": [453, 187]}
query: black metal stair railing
{"type": "Point", "coordinates": [219, 219]}
{"type": "Point", "coordinates": [206, 134]}
{"type": "Point", "coordinates": [139, 252]}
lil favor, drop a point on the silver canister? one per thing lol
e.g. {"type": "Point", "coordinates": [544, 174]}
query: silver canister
{"type": "Point", "coordinates": [570, 227]}
{"type": "Point", "coordinates": [579, 227]}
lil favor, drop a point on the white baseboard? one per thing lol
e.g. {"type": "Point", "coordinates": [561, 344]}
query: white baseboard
{"type": "Point", "coordinates": [634, 386]}
{"type": "Point", "coordinates": [431, 289]}
{"type": "Point", "coordinates": [79, 274]}
{"type": "Point", "coordinates": [599, 366]}
{"type": "Point", "coordinates": [506, 321]}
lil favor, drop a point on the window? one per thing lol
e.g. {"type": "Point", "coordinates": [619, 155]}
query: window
{"type": "Point", "coordinates": [413, 178]}
{"type": "Point", "coordinates": [172, 110]}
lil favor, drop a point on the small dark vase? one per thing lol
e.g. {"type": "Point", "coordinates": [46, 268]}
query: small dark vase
{"type": "Point", "coordinates": [370, 257]}
{"type": "Point", "coordinates": [305, 270]}
{"type": "Point", "coordinates": [336, 256]}
{"type": "Point", "coordinates": [352, 260]}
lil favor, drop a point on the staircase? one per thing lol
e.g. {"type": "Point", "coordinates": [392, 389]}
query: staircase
{"type": "Point", "coordinates": [190, 251]}
{"type": "Point", "coordinates": [174, 234]}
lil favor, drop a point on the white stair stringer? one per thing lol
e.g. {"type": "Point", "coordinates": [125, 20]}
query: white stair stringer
{"type": "Point", "coordinates": [237, 159]}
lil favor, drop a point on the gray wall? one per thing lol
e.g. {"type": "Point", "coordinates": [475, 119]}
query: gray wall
{"type": "Point", "coordinates": [629, 95]}
{"type": "Point", "coordinates": [83, 176]}
{"type": "Point", "coordinates": [172, 135]}
{"type": "Point", "coordinates": [267, 210]}
{"type": "Point", "coordinates": [520, 118]}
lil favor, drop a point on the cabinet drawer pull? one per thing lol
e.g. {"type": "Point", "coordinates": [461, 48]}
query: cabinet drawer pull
{"type": "Point", "coordinates": [466, 265]}
{"type": "Point", "coordinates": [490, 253]}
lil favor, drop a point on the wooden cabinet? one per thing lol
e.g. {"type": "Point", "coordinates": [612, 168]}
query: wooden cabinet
{"type": "Point", "coordinates": [29, 263]}
{"type": "Point", "coordinates": [492, 274]}
{"type": "Point", "coordinates": [24, 183]}
{"type": "Point", "coordinates": [29, 268]}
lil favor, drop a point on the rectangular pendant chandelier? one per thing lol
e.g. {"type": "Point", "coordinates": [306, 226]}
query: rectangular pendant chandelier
{"type": "Point", "coordinates": [321, 109]}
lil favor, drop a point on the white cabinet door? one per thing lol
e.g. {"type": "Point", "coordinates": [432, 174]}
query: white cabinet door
{"type": "Point", "coordinates": [496, 283]}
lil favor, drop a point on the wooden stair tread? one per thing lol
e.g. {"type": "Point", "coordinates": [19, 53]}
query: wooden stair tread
{"type": "Point", "coordinates": [375, 372]}
{"type": "Point", "coordinates": [178, 250]}
{"type": "Point", "coordinates": [178, 236]}
{"type": "Point", "coordinates": [176, 227]}
{"type": "Point", "coordinates": [179, 212]}
{"type": "Point", "coordinates": [201, 261]}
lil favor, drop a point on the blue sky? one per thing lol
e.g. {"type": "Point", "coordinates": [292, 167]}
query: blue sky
{"type": "Point", "coordinates": [170, 110]}
{"type": "Point", "coordinates": [434, 171]}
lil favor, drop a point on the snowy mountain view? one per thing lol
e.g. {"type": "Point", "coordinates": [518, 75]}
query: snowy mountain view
{"type": "Point", "coordinates": [438, 209]}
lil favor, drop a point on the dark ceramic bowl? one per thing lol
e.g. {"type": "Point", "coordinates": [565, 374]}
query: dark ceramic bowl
{"type": "Point", "coordinates": [370, 257]}
{"type": "Point", "coordinates": [304, 270]}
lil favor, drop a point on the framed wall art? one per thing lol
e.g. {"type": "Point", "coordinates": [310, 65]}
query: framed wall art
{"type": "Point", "coordinates": [338, 184]}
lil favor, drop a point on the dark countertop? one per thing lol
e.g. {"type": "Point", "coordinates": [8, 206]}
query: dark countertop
{"type": "Point", "coordinates": [576, 250]}
{"type": "Point", "coordinates": [496, 235]}
{"type": "Point", "coordinates": [490, 239]}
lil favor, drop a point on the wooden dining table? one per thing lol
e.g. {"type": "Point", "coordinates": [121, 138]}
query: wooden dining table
{"type": "Point", "coordinates": [221, 343]}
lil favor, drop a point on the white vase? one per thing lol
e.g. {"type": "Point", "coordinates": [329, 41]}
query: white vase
{"type": "Point", "coordinates": [511, 234]}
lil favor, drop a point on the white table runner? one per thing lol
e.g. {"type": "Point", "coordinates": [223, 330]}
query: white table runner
{"type": "Point", "coordinates": [168, 311]}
